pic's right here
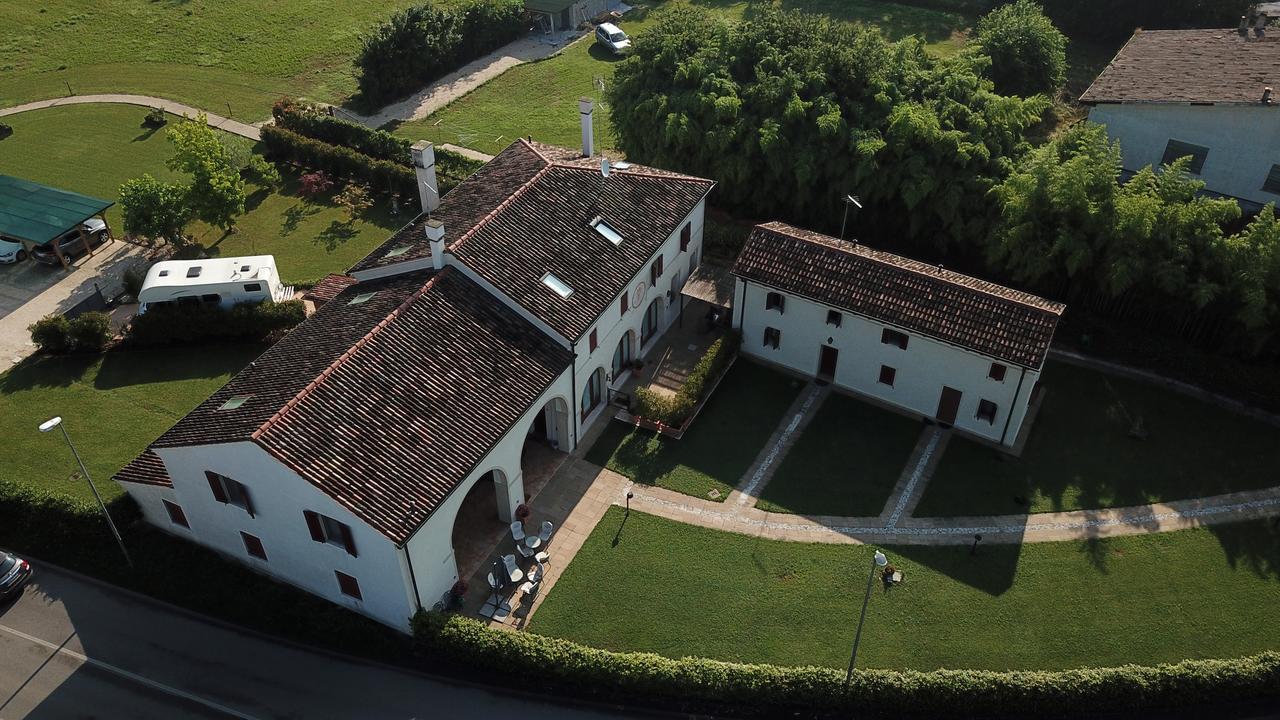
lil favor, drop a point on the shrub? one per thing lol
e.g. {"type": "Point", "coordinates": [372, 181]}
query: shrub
{"type": "Point", "coordinates": [5, 130]}
{"type": "Point", "coordinates": [90, 332]}
{"type": "Point", "coordinates": [675, 410]}
{"type": "Point", "coordinates": [155, 118]}
{"type": "Point", "coordinates": [315, 183]}
{"type": "Point", "coordinates": [133, 277]}
{"type": "Point", "coordinates": [691, 685]}
{"type": "Point", "coordinates": [177, 324]}
{"type": "Point", "coordinates": [51, 333]}
{"type": "Point", "coordinates": [261, 172]}
{"type": "Point", "coordinates": [338, 161]}
{"type": "Point", "coordinates": [1028, 54]}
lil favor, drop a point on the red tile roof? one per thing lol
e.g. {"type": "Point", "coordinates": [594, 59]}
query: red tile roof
{"type": "Point", "coordinates": [991, 319]}
{"type": "Point", "coordinates": [330, 286]}
{"type": "Point", "coordinates": [1197, 66]}
{"type": "Point", "coordinates": [146, 469]}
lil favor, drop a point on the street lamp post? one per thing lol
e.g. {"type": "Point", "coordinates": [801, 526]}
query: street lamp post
{"type": "Point", "coordinates": [877, 561]}
{"type": "Point", "coordinates": [56, 422]}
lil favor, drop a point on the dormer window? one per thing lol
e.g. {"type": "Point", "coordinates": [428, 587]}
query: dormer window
{"type": "Point", "coordinates": [607, 231]}
{"type": "Point", "coordinates": [557, 286]}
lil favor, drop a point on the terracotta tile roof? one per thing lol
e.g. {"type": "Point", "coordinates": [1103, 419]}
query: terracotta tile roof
{"type": "Point", "coordinates": [387, 405]}
{"type": "Point", "coordinates": [991, 319]}
{"type": "Point", "coordinates": [146, 469]}
{"type": "Point", "coordinates": [1198, 66]}
{"type": "Point", "coordinates": [527, 213]}
{"type": "Point", "coordinates": [330, 286]}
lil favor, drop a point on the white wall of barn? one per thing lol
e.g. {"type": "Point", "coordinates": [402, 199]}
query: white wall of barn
{"type": "Point", "coordinates": [1243, 140]}
{"type": "Point", "coordinates": [922, 369]}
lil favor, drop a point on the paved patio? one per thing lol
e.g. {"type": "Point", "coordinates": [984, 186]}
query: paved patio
{"type": "Point", "coordinates": [674, 355]}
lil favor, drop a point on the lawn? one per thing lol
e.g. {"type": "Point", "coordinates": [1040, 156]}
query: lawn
{"type": "Point", "coordinates": [719, 446]}
{"type": "Point", "coordinates": [679, 590]}
{"type": "Point", "coordinates": [540, 98]}
{"type": "Point", "coordinates": [845, 463]}
{"type": "Point", "coordinates": [207, 53]}
{"type": "Point", "coordinates": [1081, 455]}
{"type": "Point", "coordinates": [113, 405]}
{"type": "Point", "coordinates": [92, 149]}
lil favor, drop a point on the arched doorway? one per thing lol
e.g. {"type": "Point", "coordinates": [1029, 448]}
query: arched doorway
{"type": "Point", "coordinates": [550, 425]}
{"type": "Point", "coordinates": [652, 316]}
{"type": "Point", "coordinates": [478, 522]}
{"type": "Point", "coordinates": [623, 355]}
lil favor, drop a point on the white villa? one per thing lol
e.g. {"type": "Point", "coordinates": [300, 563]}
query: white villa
{"type": "Point", "coordinates": [487, 331]}
{"type": "Point", "coordinates": [934, 343]}
{"type": "Point", "coordinates": [1206, 94]}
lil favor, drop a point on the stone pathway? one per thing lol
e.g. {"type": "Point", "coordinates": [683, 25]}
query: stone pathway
{"type": "Point", "coordinates": [235, 127]}
{"type": "Point", "coordinates": [762, 470]}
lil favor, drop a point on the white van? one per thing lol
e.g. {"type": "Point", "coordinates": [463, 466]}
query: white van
{"type": "Point", "coordinates": [214, 281]}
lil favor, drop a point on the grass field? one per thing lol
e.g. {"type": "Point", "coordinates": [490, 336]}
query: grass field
{"type": "Point", "coordinates": [680, 590]}
{"type": "Point", "coordinates": [208, 53]}
{"type": "Point", "coordinates": [92, 149]}
{"type": "Point", "coordinates": [1081, 455]}
{"type": "Point", "coordinates": [845, 463]}
{"type": "Point", "coordinates": [113, 405]}
{"type": "Point", "coordinates": [719, 446]}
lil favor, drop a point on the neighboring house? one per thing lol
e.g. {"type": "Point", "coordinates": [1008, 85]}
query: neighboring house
{"type": "Point", "coordinates": [1206, 94]}
{"type": "Point", "coordinates": [929, 341]}
{"type": "Point", "coordinates": [213, 281]}
{"type": "Point", "coordinates": [490, 325]}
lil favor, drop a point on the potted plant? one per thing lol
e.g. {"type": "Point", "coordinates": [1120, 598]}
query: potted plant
{"type": "Point", "coordinates": [523, 512]}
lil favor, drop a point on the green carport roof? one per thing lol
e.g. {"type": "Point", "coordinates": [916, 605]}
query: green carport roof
{"type": "Point", "coordinates": [548, 6]}
{"type": "Point", "coordinates": [39, 213]}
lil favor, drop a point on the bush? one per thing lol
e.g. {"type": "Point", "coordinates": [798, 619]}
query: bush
{"type": "Point", "coordinates": [338, 161]}
{"type": "Point", "coordinates": [5, 130]}
{"type": "Point", "coordinates": [90, 332]}
{"type": "Point", "coordinates": [261, 172]}
{"type": "Point", "coordinates": [177, 324]}
{"type": "Point", "coordinates": [155, 118]}
{"type": "Point", "coordinates": [1028, 54]}
{"type": "Point", "coordinates": [675, 410]}
{"type": "Point", "coordinates": [422, 43]}
{"type": "Point", "coordinates": [132, 280]}
{"type": "Point", "coordinates": [51, 333]}
{"type": "Point", "coordinates": [692, 685]}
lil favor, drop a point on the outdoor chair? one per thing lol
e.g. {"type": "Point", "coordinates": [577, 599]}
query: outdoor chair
{"type": "Point", "coordinates": [525, 551]}
{"type": "Point", "coordinates": [545, 533]}
{"type": "Point", "coordinates": [494, 586]}
{"type": "Point", "coordinates": [542, 558]}
{"type": "Point", "coordinates": [513, 570]}
{"type": "Point", "coordinates": [517, 531]}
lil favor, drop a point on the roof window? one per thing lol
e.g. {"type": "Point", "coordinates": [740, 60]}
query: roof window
{"type": "Point", "coordinates": [397, 252]}
{"type": "Point", "coordinates": [164, 273]}
{"type": "Point", "coordinates": [557, 285]}
{"type": "Point", "coordinates": [244, 268]}
{"type": "Point", "coordinates": [362, 298]}
{"type": "Point", "coordinates": [193, 271]}
{"type": "Point", "coordinates": [234, 402]}
{"type": "Point", "coordinates": [607, 231]}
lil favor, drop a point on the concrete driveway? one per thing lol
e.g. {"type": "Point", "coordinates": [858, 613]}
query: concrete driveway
{"type": "Point", "coordinates": [24, 280]}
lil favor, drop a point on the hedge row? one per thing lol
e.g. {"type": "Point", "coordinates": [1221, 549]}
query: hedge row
{"type": "Point", "coordinates": [703, 685]}
{"type": "Point", "coordinates": [674, 410]}
{"type": "Point", "coordinates": [178, 324]}
{"type": "Point", "coordinates": [422, 43]}
{"type": "Point", "coordinates": [88, 332]}
{"type": "Point", "coordinates": [343, 162]}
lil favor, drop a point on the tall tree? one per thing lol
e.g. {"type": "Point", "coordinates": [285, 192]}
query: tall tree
{"type": "Point", "coordinates": [155, 209]}
{"type": "Point", "coordinates": [217, 192]}
{"type": "Point", "coordinates": [1028, 53]}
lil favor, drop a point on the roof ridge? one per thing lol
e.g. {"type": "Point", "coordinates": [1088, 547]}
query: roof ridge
{"type": "Point", "coordinates": [502, 205]}
{"type": "Point", "coordinates": [870, 254]}
{"type": "Point", "coordinates": [278, 415]}
{"type": "Point", "coordinates": [658, 173]}
{"type": "Point", "coordinates": [534, 148]}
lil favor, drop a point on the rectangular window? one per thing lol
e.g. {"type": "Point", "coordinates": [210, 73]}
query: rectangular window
{"type": "Point", "coordinates": [348, 585]}
{"type": "Point", "coordinates": [834, 318]}
{"type": "Point", "coordinates": [1178, 149]}
{"type": "Point", "coordinates": [176, 516]}
{"type": "Point", "coordinates": [625, 304]}
{"type": "Point", "coordinates": [1272, 183]}
{"type": "Point", "coordinates": [253, 546]}
{"type": "Point", "coordinates": [229, 492]}
{"type": "Point", "coordinates": [655, 271]}
{"type": "Point", "coordinates": [996, 372]}
{"type": "Point", "coordinates": [686, 233]}
{"type": "Point", "coordinates": [325, 529]}
{"type": "Point", "coordinates": [253, 287]}
{"type": "Point", "coordinates": [592, 341]}
{"type": "Point", "coordinates": [888, 375]}
{"type": "Point", "coordinates": [775, 301]}
{"type": "Point", "coordinates": [893, 337]}
{"type": "Point", "coordinates": [772, 337]}
{"type": "Point", "coordinates": [987, 411]}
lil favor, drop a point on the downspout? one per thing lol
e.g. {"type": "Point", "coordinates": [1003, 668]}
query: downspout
{"type": "Point", "coordinates": [573, 388]}
{"type": "Point", "coordinates": [413, 579]}
{"type": "Point", "coordinates": [1022, 374]}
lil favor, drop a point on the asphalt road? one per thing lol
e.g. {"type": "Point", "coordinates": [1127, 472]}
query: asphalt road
{"type": "Point", "coordinates": [70, 648]}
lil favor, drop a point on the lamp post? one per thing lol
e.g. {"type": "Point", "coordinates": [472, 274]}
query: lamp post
{"type": "Point", "coordinates": [848, 200]}
{"type": "Point", "coordinates": [56, 422]}
{"type": "Point", "coordinates": [877, 561]}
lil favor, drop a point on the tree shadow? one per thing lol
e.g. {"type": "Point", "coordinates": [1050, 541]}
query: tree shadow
{"type": "Point", "coordinates": [146, 134]}
{"type": "Point", "coordinates": [1254, 545]}
{"type": "Point", "coordinates": [124, 368]}
{"type": "Point", "coordinates": [256, 198]}
{"type": "Point", "coordinates": [336, 234]}
{"type": "Point", "coordinates": [1097, 552]}
{"type": "Point", "coordinates": [46, 371]}
{"type": "Point", "coordinates": [295, 215]}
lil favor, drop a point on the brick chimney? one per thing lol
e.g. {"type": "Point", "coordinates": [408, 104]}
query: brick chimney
{"type": "Point", "coordinates": [424, 164]}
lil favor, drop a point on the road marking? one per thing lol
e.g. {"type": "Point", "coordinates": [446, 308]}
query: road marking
{"type": "Point", "coordinates": [129, 675]}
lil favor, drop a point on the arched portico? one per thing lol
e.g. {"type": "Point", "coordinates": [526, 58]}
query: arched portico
{"type": "Point", "coordinates": [482, 516]}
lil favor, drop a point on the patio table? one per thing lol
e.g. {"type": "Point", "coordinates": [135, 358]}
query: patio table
{"type": "Point", "coordinates": [533, 542]}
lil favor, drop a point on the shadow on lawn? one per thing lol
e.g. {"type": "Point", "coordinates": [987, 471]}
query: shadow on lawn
{"type": "Point", "coordinates": [45, 371]}
{"type": "Point", "coordinates": [992, 569]}
{"type": "Point", "coordinates": [161, 365]}
{"type": "Point", "coordinates": [1253, 545]}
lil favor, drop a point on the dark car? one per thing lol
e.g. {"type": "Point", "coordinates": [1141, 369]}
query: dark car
{"type": "Point", "coordinates": [71, 244]}
{"type": "Point", "coordinates": [14, 573]}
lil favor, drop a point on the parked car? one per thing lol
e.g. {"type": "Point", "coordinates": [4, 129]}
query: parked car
{"type": "Point", "coordinates": [11, 251]}
{"type": "Point", "coordinates": [70, 243]}
{"type": "Point", "coordinates": [14, 573]}
{"type": "Point", "coordinates": [612, 37]}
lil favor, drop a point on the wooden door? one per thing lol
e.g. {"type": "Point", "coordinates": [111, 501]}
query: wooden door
{"type": "Point", "coordinates": [827, 363]}
{"type": "Point", "coordinates": [948, 406]}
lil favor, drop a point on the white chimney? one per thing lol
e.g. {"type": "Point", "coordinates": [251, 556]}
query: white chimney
{"type": "Point", "coordinates": [424, 164]}
{"type": "Point", "coordinates": [434, 230]}
{"type": "Point", "coordinates": [585, 106]}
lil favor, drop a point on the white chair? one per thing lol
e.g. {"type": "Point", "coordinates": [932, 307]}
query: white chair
{"type": "Point", "coordinates": [542, 558]}
{"type": "Point", "coordinates": [524, 550]}
{"type": "Point", "coordinates": [494, 585]}
{"type": "Point", "coordinates": [517, 531]}
{"type": "Point", "coordinates": [535, 573]}
{"type": "Point", "coordinates": [545, 533]}
{"type": "Point", "coordinates": [513, 570]}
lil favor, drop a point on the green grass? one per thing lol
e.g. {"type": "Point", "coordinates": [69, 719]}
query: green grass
{"type": "Point", "coordinates": [1080, 454]}
{"type": "Point", "coordinates": [540, 98]}
{"type": "Point", "coordinates": [845, 463]}
{"type": "Point", "coordinates": [113, 406]}
{"type": "Point", "coordinates": [719, 446]}
{"type": "Point", "coordinates": [679, 590]}
{"type": "Point", "coordinates": [92, 149]}
{"type": "Point", "coordinates": [207, 53]}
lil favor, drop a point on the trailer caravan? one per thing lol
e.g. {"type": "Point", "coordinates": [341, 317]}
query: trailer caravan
{"type": "Point", "coordinates": [221, 281]}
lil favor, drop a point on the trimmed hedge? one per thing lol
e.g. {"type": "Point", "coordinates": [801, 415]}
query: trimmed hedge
{"type": "Point", "coordinates": [676, 410]}
{"type": "Point", "coordinates": [703, 685]}
{"type": "Point", "coordinates": [88, 332]}
{"type": "Point", "coordinates": [380, 175]}
{"type": "Point", "coordinates": [423, 43]}
{"type": "Point", "coordinates": [177, 324]}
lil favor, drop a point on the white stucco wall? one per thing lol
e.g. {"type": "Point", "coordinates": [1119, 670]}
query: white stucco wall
{"type": "Point", "coordinates": [923, 369]}
{"type": "Point", "coordinates": [149, 499]}
{"type": "Point", "coordinates": [1243, 140]}
{"type": "Point", "coordinates": [279, 496]}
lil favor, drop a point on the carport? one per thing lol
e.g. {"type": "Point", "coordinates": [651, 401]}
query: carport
{"type": "Point", "coordinates": [36, 214]}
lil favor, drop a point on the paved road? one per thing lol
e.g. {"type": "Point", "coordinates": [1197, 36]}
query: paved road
{"type": "Point", "coordinates": [76, 649]}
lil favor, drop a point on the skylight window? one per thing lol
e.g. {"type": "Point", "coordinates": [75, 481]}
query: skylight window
{"type": "Point", "coordinates": [397, 252]}
{"type": "Point", "coordinates": [557, 285]}
{"type": "Point", "coordinates": [234, 402]}
{"type": "Point", "coordinates": [164, 273]}
{"type": "Point", "coordinates": [607, 231]}
{"type": "Point", "coordinates": [193, 271]}
{"type": "Point", "coordinates": [362, 298]}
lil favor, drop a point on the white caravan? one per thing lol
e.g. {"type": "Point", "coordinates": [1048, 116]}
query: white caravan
{"type": "Point", "coordinates": [214, 281]}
